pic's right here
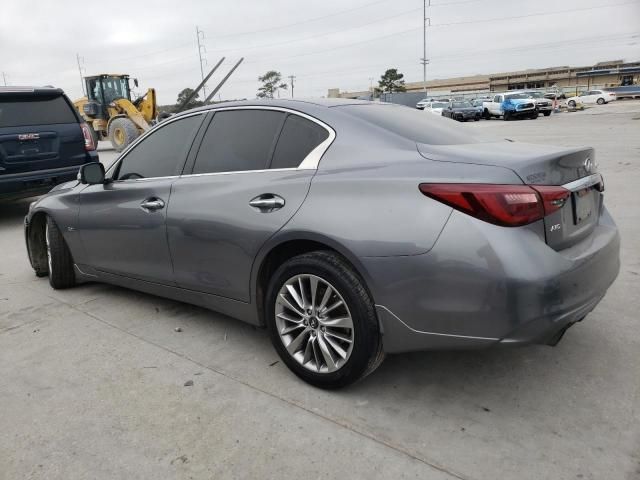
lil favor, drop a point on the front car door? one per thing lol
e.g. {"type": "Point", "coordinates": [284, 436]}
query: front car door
{"type": "Point", "coordinates": [123, 222]}
{"type": "Point", "coordinates": [250, 175]}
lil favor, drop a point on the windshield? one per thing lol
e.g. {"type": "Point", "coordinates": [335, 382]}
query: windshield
{"type": "Point", "coordinates": [108, 89]}
{"type": "Point", "coordinates": [536, 94]}
{"type": "Point", "coordinates": [461, 105]}
{"type": "Point", "coordinates": [516, 96]}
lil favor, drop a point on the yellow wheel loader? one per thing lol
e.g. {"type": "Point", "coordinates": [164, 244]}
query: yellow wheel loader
{"type": "Point", "coordinates": [111, 113]}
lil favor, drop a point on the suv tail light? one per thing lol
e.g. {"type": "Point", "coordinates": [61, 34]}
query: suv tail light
{"type": "Point", "coordinates": [504, 205]}
{"type": "Point", "coordinates": [89, 144]}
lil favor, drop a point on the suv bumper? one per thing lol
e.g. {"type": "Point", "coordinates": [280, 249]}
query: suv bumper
{"type": "Point", "coordinates": [483, 285]}
{"type": "Point", "coordinates": [26, 184]}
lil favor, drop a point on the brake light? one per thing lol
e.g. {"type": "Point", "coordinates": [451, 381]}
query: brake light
{"type": "Point", "coordinates": [504, 205]}
{"type": "Point", "coordinates": [89, 144]}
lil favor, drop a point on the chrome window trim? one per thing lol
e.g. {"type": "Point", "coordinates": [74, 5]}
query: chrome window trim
{"type": "Point", "coordinates": [584, 182]}
{"type": "Point", "coordinates": [310, 162]}
{"type": "Point", "coordinates": [155, 128]}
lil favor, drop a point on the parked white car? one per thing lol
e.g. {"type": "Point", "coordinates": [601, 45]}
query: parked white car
{"type": "Point", "coordinates": [592, 96]}
{"type": "Point", "coordinates": [435, 107]}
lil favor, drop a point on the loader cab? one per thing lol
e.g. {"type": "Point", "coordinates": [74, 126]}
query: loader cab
{"type": "Point", "coordinates": [104, 89]}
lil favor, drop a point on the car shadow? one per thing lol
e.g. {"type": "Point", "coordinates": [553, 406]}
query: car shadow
{"type": "Point", "coordinates": [12, 212]}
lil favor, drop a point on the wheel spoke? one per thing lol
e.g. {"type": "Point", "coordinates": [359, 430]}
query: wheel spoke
{"type": "Point", "coordinates": [316, 353]}
{"type": "Point", "coordinates": [292, 328]}
{"type": "Point", "coordinates": [343, 322]}
{"type": "Point", "coordinates": [302, 295]}
{"type": "Point", "coordinates": [293, 347]}
{"type": "Point", "coordinates": [288, 318]}
{"type": "Point", "coordinates": [313, 283]}
{"type": "Point", "coordinates": [283, 300]}
{"type": "Point", "coordinates": [326, 354]}
{"type": "Point", "coordinates": [325, 297]}
{"type": "Point", "coordinates": [295, 296]}
{"type": "Point", "coordinates": [337, 348]}
{"type": "Point", "coordinates": [332, 307]}
{"type": "Point", "coordinates": [339, 336]}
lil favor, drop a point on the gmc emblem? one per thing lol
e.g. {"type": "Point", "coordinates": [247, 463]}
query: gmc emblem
{"type": "Point", "coordinates": [29, 136]}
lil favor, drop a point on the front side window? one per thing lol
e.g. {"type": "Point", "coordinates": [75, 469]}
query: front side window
{"type": "Point", "coordinates": [497, 99]}
{"type": "Point", "coordinates": [162, 153]}
{"type": "Point", "coordinates": [238, 140]}
{"type": "Point", "coordinates": [298, 138]}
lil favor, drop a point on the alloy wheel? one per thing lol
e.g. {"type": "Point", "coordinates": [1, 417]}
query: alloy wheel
{"type": "Point", "coordinates": [314, 323]}
{"type": "Point", "coordinates": [48, 245]}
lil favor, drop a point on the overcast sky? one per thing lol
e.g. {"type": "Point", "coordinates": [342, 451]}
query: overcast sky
{"type": "Point", "coordinates": [329, 43]}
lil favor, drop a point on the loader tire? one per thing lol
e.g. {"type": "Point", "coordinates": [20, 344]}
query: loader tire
{"type": "Point", "coordinates": [122, 132]}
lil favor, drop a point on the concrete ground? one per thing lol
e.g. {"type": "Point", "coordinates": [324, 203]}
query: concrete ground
{"type": "Point", "coordinates": [92, 379]}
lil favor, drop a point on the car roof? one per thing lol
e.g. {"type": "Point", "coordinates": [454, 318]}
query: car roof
{"type": "Point", "coordinates": [45, 91]}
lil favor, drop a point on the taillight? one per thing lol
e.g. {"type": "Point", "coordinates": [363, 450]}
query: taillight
{"type": "Point", "coordinates": [89, 144]}
{"type": "Point", "coordinates": [504, 205]}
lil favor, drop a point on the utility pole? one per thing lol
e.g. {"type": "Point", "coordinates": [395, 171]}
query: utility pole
{"type": "Point", "coordinates": [4, 77]}
{"type": "Point", "coordinates": [292, 78]}
{"type": "Point", "coordinates": [80, 61]}
{"type": "Point", "coordinates": [424, 59]}
{"type": "Point", "coordinates": [200, 36]}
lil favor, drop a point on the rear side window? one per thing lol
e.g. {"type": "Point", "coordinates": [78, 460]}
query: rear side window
{"type": "Point", "coordinates": [21, 111]}
{"type": "Point", "coordinates": [162, 153]}
{"type": "Point", "coordinates": [238, 140]}
{"type": "Point", "coordinates": [298, 138]}
{"type": "Point", "coordinates": [411, 124]}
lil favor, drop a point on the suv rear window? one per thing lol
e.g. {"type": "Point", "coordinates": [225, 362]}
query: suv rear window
{"type": "Point", "coordinates": [24, 110]}
{"type": "Point", "coordinates": [411, 123]}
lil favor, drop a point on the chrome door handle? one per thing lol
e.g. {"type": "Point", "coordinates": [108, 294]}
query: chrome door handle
{"type": "Point", "coordinates": [152, 204]}
{"type": "Point", "coordinates": [267, 202]}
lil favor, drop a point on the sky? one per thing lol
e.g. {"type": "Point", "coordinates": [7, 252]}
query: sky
{"type": "Point", "coordinates": [343, 44]}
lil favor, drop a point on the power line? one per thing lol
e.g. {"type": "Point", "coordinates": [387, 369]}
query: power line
{"type": "Point", "coordinates": [80, 60]}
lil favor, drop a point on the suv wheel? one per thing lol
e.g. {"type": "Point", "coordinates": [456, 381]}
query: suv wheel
{"type": "Point", "coordinates": [322, 321]}
{"type": "Point", "coordinates": [60, 263]}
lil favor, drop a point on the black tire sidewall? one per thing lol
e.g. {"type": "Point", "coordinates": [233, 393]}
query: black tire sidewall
{"type": "Point", "coordinates": [334, 270]}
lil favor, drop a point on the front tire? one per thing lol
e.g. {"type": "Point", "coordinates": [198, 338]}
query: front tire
{"type": "Point", "coordinates": [60, 263]}
{"type": "Point", "coordinates": [322, 321]}
{"type": "Point", "coordinates": [571, 104]}
{"type": "Point", "coordinates": [122, 132]}
{"type": "Point", "coordinates": [506, 117]}
{"type": "Point", "coordinates": [546, 114]}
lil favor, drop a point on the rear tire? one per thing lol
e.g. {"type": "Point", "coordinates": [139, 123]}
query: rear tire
{"type": "Point", "coordinates": [310, 336]}
{"type": "Point", "coordinates": [487, 115]}
{"type": "Point", "coordinates": [122, 132]}
{"type": "Point", "coordinates": [571, 104]}
{"type": "Point", "coordinates": [546, 114]}
{"type": "Point", "coordinates": [61, 274]}
{"type": "Point", "coordinates": [600, 101]}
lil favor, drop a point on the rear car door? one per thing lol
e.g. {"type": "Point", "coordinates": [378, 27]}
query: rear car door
{"type": "Point", "coordinates": [123, 223]}
{"type": "Point", "coordinates": [39, 131]}
{"type": "Point", "coordinates": [250, 175]}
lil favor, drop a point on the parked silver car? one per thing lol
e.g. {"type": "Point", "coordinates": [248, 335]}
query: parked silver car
{"type": "Point", "coordinates": [347, 229]}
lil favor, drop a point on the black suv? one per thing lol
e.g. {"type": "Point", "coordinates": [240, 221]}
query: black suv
{"type": "Point", "coordinates": [43, 141]}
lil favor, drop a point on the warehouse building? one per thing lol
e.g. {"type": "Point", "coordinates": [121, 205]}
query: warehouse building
{"type": "Point", "coordinates": [604, 74]}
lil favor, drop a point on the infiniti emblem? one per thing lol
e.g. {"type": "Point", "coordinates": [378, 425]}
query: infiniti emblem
{"type": "Point", "coordinates": [588, 164]}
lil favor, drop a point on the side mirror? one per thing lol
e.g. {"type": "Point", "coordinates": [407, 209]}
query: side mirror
{"type": "Point", "coordinates": [135, 82]}
{"type": "Point", "coordinates": [91, 173]}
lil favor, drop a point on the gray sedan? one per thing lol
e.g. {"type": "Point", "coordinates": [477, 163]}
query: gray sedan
{"type": "Point", "coordinates": [347, 229]}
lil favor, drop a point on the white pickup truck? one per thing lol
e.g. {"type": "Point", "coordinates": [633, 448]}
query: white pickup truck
{"type": "Point", "coordinates": [510, 105]}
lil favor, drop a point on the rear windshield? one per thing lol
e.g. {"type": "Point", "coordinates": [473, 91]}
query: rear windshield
{"type": "Point", "coordinates": [411, 123]}
{"type": "Point", "coordinates": [461, 104]}
{"type": "Point", "coordinates": [18, 111]}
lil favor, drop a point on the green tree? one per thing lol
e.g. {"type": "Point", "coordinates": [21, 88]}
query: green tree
{"type": "Point", "coordinates": [184, 94]}
{"type": "Point", "coordinates": [391, 81]}
{"type": "Point", "coordinates": [271, 83]}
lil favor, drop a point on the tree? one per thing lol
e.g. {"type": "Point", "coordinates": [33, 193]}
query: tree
{"type": "Point", "coordinates": [184, 94]}
{"type": "Point", "coordinates": [271, 83]}
{"type": "Point", "coordinates": [391, 81]}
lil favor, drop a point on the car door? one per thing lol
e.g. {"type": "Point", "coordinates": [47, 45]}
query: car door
{"type": "Point", "coordinates": [250, 175]}
{"type": "Point", "coordinates": [123, 222]}
{"type": "Point", "coordinates": [496, 105]}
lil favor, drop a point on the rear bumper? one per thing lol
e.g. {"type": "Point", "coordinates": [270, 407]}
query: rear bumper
{"type": "Point", "coordinates": [17, 185]}
{"type": "Point", "coordinates": [483, 285]}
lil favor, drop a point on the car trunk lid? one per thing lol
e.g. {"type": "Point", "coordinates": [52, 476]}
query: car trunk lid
{"type": "Point", "coordinates": [573, 168]}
